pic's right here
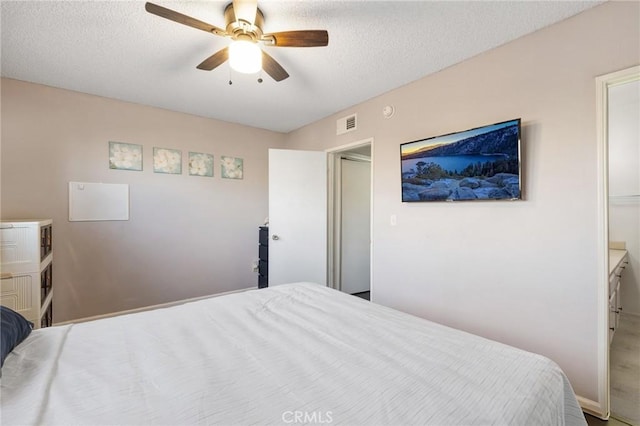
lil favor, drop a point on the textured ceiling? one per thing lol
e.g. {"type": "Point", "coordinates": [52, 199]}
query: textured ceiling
{"type": "Point", "coordinates": [118, 50]}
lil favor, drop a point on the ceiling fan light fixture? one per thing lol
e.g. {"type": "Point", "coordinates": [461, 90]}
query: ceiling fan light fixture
{"type": "Point", "coordinates": [244, 21]}
{"type": "Point", "coordinates": [245, 56]}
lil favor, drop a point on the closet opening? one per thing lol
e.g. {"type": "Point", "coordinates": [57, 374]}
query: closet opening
{"type": "Point", "coordinates": [350, 212]}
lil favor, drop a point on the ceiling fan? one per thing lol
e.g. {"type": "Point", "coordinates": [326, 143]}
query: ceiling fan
{"type": "Point", "coordinates": [244, 21]}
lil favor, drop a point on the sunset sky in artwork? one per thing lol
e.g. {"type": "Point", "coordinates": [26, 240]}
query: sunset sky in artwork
{"type": "Point", "coordinates": [434, 142]}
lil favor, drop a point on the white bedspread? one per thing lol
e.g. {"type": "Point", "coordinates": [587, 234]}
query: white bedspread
{"type": "Point", "coordinates": [292, 354]}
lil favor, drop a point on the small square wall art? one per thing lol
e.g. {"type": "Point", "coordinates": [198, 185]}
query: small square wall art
{"type": "Point", "coordinates": [167, 161]}
{"type": "Point", "coordinates": [125, 156]}
{"type": "Point", "coordinates": [231, 167]}
{"type": "Point", "coordinates": [200, 164]}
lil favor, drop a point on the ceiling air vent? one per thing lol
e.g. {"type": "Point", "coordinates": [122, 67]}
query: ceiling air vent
{"type": "Point", "coordinates": [346, 124]}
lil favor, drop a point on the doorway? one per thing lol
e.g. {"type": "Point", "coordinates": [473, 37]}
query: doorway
{"type": "Point", "coordinates": [618, 196]}
{"type": "Point", "coordinates": [350, 206]}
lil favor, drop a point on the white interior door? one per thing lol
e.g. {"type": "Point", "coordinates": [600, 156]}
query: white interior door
{"type": "Point", "coordinates": [297, 216]}
{"type": "Point", "coordinates": [355, 225]}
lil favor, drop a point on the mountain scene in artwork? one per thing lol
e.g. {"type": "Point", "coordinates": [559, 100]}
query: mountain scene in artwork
{"type": "Point", "coordinates": [481, 163]}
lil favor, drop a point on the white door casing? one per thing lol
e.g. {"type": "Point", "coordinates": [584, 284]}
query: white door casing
{"type": "Point", "coordinates": [601, 407]}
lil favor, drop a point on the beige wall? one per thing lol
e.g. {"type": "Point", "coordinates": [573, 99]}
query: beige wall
{"type": "Point", "coordinates": [521, 272]}
{"type": "Point", "coordinates": [187, 236]}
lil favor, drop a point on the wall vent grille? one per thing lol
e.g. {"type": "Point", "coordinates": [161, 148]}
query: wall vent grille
{"type": "Point", "coordinates": [346, 124]}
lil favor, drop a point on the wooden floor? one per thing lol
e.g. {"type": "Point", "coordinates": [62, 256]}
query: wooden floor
{"type": "Point", "coordinates": [624, 361]}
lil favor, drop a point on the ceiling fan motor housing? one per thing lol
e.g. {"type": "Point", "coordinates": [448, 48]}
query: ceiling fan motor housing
{"type": "Point", "coordinates": [239, 29]}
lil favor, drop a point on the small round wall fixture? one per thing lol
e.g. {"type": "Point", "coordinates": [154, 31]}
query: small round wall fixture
{"type": "Point", "coordinates": [388, 111]}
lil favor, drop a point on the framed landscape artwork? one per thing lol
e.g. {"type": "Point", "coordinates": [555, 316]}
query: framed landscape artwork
{"type": "Point", "coordinates": [477, 164]}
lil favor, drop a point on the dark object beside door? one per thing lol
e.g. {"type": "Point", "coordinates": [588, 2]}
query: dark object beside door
{"type": "Point", "coordinates": [263, 257]}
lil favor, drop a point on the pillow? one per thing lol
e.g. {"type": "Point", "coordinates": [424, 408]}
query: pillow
{"type": "Point", "coordinates": [14, 329]}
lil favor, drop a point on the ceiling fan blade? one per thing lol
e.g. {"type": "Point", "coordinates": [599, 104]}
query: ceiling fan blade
{"type": "Point", "coordinates": [245, 10]}
{"type": "Point", "coordinates": [214, 60]}
{"type": "Point", "coordinates": [182, 19]}
{"type": "Point", "coordinates": [273, 68]}
{"type": "Point", "coordinates": [302, 38]}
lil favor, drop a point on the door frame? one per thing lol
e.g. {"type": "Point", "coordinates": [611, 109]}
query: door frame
{"type": "Point", "coordinates": [602, 407]}
{"type": "Point", "coordinates": [334, 211]}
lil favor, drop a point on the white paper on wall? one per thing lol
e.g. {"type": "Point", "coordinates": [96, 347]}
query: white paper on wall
{"type": "Point", "coordinates": [98, 201]}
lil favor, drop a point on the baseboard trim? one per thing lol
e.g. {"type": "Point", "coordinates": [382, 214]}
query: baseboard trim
{"type": "Point", "coordinates": [592, 407]}
{"type": "Point", "coordinates": [152, 307]}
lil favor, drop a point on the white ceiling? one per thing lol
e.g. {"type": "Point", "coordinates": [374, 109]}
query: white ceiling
{"type": "Point", "coordinates": [118, 50]}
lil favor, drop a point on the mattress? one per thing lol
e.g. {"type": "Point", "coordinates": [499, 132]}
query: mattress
{"type": "Point", "coordinates": [292, 354]}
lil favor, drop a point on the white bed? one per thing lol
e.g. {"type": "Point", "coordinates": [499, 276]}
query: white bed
{"type": "Point", "coordinates": [292, 354]}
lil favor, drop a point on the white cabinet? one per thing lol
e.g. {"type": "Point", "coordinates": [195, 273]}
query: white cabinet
{"type": "Point", "coordinates": [26, 269]}
{"type": "Point", "coordinates": [618, 260]}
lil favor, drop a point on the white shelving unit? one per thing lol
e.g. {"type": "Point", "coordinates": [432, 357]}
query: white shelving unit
{"type": "Point", "coordinates": [26, 269]}
{"type": "Point", "coordinates": [618, 260]}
